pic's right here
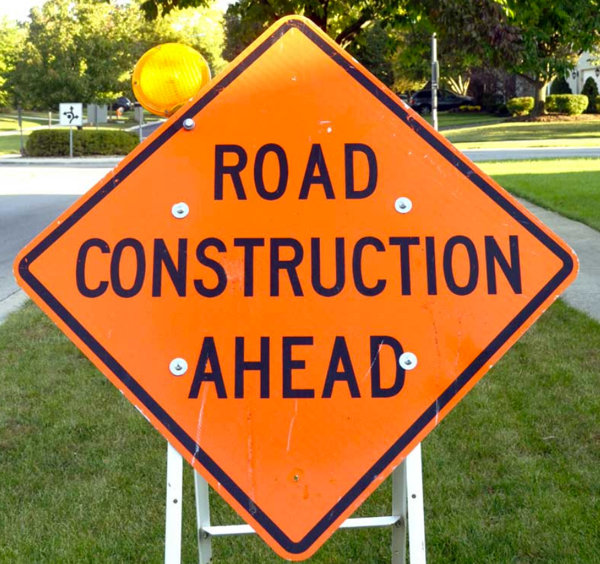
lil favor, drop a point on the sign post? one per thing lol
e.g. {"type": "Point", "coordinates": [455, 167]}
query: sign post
{"type": "Point", "coordinates": [71, 114]}
{"type": "Point", "coordinates": [313, 278]}
{"type": "Point", "coordinates": [20, 118]}
{"type": "Point", "coordinates": [435, 78]}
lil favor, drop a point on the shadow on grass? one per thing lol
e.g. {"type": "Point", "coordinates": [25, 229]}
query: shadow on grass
{"type": "Point", "coordinates": [526, 131]}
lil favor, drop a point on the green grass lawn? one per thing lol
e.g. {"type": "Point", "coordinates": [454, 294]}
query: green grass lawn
{"type": "Point", "coordinates": [568, 186]}
{"type": "Point", "coordinates": [461, 119]}
{"type": "Point", "coordinates": [11, 144]}
{"type": "Point", "coordinates": [31, 113]}
{"type": "Point", "coordinates": [535, 134]}
{"type": "Point", "coordinates": [511, 476]}
{"type": "Point", "coordinates": [8, 123]}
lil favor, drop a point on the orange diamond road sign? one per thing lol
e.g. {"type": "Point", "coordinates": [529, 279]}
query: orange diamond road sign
{"type": "Point", "coordinates": [254, 275]}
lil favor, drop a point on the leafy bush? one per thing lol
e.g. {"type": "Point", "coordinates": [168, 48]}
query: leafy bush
{"type": "Point", "coordinates": [55, 143]}
{"type": "Point", "coordinates": [590, 89]}
{"type": "Point", "coordinates": [560, 86]}
{"type": "Point", "coordinates": [469, 109]}
{"type": "Point", "coordinates": [520, 106]}
{"type": "Point", "coordinates": [570, 104]}
{"type": "Point", "coordinates": [502, 110]}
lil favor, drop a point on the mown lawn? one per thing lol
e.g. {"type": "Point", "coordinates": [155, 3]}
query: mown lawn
{"type": "Point", "coordinates": [8, 123]}
{"type": "Point", "coordinates": [570, 187]}
{"type": "Point", "coordinates": [511, 476]}
{"type": "Point", "coordinates": [11, 144]}
{"type": "Point", "coordinates": [536, 134]}
{"type": "Point", "coordinates": [461, 119]}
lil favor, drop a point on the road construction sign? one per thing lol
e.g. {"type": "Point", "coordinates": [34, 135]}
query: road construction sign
{"type": "Point", "coordinates": [295, 279]}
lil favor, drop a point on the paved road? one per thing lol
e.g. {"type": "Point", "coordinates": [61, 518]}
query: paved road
{"type": "Point", "coordinates": [479, 155]}
{"type": "Point", "coordinates": [30, 199]}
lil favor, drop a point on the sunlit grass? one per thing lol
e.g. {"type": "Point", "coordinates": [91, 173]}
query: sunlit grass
{"type": "Point", "coordinates": [11, 144]}
{"type": "Point", "coordinates": [570, 187]}
{"type": "Point", "coordinates": [461, 119]}
{"type": "Point", "coordinates": [526, 131]}
{"type": "Point", "coordinates": [12, 124]}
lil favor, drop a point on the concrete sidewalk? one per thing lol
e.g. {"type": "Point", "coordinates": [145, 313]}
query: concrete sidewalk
{"type": "Point", "coordinates": [584, 293]}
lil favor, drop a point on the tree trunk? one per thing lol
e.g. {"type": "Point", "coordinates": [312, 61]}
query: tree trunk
{"type": "Point", "coordinates": [539, 109]}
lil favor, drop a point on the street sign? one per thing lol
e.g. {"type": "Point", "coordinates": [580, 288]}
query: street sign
{"type": "Point", "coordinates": [295, 279]}
{"type": "Point", "coordinates": [71, 114]}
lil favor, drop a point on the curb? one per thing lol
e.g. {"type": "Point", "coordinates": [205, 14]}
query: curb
{"type": "Point", "coordinates": [100, 162]}
{"type": "Point", "coordinates": [12, 303]}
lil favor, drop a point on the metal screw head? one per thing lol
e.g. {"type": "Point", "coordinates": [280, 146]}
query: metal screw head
{"type": "Point", "coordinates": [180, 210]}
{"type": "Point", "coordinates": [403, 205]}
{"type": "Point", "coordinates": [178, 367]}
{"type": "Point", "coordinates": [408, 361]}
{"type": "Point", "coordinates": [189, 124]}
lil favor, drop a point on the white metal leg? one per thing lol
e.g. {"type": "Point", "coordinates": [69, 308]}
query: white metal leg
{"type": "Point", "coordinates": [407, 507]}
{"type": "Point", "coordinates": [203, 519]}
{"type": "Point", "coordinates": [399, 512]}
{"type": "Point", "coordinates": [174, 504]}
{"type": "Point", "coordinates": [416, 512]}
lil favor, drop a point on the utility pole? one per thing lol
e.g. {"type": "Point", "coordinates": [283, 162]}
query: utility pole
{"type": "Point", "coordinates": [435, 76]}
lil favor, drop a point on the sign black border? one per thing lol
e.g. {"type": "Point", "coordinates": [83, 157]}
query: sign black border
{"type": "Point", "coordinates": [396, 107]}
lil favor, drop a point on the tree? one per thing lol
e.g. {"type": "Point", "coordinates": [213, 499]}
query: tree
{"type": "Point", "coordinates": [470, 35]}
{"type": "Point", "coordinates": [202, 29]}
{"type": "Point", "coordinates": [11, 43]}
{"type": "Point", "coordinates": [373, 48]}
{"type": "Point", "coordinates": [75, 51]}
{"type": "Point", "coordinates": [554, 34]}
{"type": "Point", "coordinates": [155, 8]}
{"type": "Point", "coordinates": [85, 50]}
{"type": "Point", "coordinates": [343, 20]}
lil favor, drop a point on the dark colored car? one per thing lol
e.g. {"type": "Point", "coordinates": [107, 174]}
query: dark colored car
{"type": "Point", "coordinates": [122, 102]}
{"type": "Point", "coordinates": [421, 101]}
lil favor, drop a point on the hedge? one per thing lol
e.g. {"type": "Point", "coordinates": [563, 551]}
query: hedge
{"type": "Point", "coordinates": [55, 143]}
{"type": "Point", "coordinates": [570, 104]}
{"type": "Point", "coordinates": [520, 106]}
{"type": "Point", "coordinates": [560, 86]}
{"type": "Point", "coordinates": [590, 89]}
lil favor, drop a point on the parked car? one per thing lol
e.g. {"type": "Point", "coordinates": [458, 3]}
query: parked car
{"type": "Point", "coordinates": [421, 101]}
{"type": "Point", "coordinates": [122, 102]}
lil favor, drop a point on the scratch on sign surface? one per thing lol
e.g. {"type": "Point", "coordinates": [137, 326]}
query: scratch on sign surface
{"type": "Point", "coordinates": [292, 425]}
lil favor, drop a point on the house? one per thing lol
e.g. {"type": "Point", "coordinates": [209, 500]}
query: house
{"type": "Point", "coordinates": [588, 65]}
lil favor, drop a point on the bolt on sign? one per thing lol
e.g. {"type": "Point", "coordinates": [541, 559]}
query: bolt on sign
{"type": "Point", "coordinates": [295, 279]}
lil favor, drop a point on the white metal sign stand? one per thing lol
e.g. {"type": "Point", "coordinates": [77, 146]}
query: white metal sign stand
{"type": "Point", "coordinates": [407, 506]}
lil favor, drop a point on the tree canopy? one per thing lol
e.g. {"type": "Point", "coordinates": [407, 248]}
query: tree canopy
{"type": "Point", "coordinates": [85, 50]}
{"type": "Point", "coordinates": [12, 40]}
{"type": "Point", "coordinates": [554, 34]}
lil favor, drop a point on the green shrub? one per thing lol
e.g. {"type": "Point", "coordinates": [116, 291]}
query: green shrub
{"type": "Point", "coordinates": [469, 109]}
{"type": "Point", "coordinates": [560, 86]}
{"type": "Point", "coordinates": [55, 143]}
{"type": "Point", "coordinates": [520, 106]}
{"type": "Point", "coordinates": [570, 104]}
{"type": "Point", "coordinates": [502, 110]}
{"type": "Point", "coordinates": [590, 89]}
